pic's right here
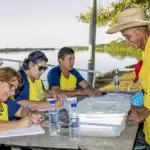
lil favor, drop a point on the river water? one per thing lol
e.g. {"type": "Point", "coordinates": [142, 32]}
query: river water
{"type": "Point", "coordinates": [103, 62]}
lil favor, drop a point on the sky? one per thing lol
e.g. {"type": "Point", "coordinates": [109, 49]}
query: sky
{"type": "Point", "coordinates": [47, 23]}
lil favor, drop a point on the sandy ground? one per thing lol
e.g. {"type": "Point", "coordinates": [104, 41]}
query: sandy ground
{"type": "Point", "coordinates": [126, 82]}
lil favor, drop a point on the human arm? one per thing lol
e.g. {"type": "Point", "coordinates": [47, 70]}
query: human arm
{"type": "Point", "coordinates": [89, 90]}
{"type": "Point", "coordinates": [77, 92]}
{"type": "Point", "coordinates": [24, 99]}
{"type": "Point", "coordinates": [36, 105]}
{"type": "Point", "coordinates": [140, 114]}
{"type": "Point", "coordinates": [27, 119]}
{"type": "Point", "coordinates": [85, 89]}
{"type": "Point", "coordinates": [36, 117]}
{"type": "Point", "coordinates": [9, 125]}
{"type": "Point", "coordinates": [16, 110]}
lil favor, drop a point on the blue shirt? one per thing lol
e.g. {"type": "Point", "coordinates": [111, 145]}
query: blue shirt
{"type": "Point", "coordinates": [13, 107]}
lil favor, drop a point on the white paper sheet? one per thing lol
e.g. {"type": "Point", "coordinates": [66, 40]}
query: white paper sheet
{"type": "Point", "coordinates": [33, 130]}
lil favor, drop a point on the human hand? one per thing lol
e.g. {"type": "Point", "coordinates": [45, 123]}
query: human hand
{"type": "Point", "coordinates": [60, 98]}
{"type": "Point", "coordinates": [91, 92]}
{"type": "Point", "coordinates": [37, 118]}
{"type": "Point", "coordinates": [138, 114]}
{"type": "Point", "coordinates": [96, 92]}
{"type": "Point", "coordinates": [86, 92]}
{"type": "Point", "coordinates": [25, 122]}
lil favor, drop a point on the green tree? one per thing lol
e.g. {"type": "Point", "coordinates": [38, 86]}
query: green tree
{"type": "Point", "coordinates": [107, 15]}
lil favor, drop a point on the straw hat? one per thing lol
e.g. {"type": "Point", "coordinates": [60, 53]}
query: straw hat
{"type": "Point", "coordinates": [132, 17]}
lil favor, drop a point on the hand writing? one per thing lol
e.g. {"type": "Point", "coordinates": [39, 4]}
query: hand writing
{"type": "Point", "coordinates": [37, 118]}
{"type": "Point", "coordinates": [25, 122]}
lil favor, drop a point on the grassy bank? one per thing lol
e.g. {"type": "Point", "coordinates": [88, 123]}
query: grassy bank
{"type": "Point", "coordinates": [105, 83]}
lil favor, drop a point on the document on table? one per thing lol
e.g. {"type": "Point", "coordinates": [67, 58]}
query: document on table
{"type": "Point", "coordinates": [43, 110]}
{"type": "Point", "coordinates": [33, 130]}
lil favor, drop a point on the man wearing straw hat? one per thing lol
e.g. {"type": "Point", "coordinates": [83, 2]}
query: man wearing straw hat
{"type": "Point", "coordinates": [133, 25]}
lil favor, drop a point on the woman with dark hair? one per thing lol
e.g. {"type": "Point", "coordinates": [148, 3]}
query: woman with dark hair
{"type": "Point", "coordinates": [10, 82]}
{"type": "Point", "coordinates": [33, 92]}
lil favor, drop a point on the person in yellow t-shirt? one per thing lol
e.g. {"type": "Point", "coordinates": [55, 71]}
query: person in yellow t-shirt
{"type": "Point", "coordinates": [65, 79]}
{"type": "Point", "coordinates": [10, 82]}
{"type": "Point", "coordinates": [134, 27]}
{"type": "Point", "coordinates": [33, 92]}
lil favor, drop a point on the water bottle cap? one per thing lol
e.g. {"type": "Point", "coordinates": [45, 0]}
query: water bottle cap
{"type": "Point", "coordinates": [52, 101]}
{"type": "Point", "coordinates": [73, 105]}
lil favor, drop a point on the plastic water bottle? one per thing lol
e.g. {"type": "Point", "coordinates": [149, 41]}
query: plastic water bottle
{"type": "Point", "coordinates": [73, 122]}
{"type": "Point", "coordinates": [116, 81]}
{"type": "Point", "coordinates": [54, 127]}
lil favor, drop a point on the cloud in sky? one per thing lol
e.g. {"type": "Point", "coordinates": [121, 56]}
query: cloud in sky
{"type": "Point", "coordinates": [46, 23]}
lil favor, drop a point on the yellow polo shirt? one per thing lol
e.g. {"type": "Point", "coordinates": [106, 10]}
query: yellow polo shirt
{"type": "Point", "coordinates": [68, 84]}
{"type": "Point", "coordinates": [35, 90]}
{"type": "Point", "coordinates": [145, 82]}
{"type": "Point", "coordinates": [4, 112]}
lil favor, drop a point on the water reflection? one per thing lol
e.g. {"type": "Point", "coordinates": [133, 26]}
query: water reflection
{"type": "Point", "coordinates": [103, 62]}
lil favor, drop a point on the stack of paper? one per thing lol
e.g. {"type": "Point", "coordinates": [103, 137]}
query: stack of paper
{"type": "Point", "coordinates": [104, 115]}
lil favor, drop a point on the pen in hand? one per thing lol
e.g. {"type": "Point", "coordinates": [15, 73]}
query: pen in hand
{"type": "Point", "coordinates": [35, 119]}
{"type": "Point", "coordinates": [28, 115]}
{"type": "Point", "coordinates": [27, 109]}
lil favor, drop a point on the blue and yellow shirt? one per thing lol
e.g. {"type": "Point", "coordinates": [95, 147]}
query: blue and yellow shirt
{"type": "Point", "coordinates": [30, 91]}
{"type": "Point", "coordinates": [9, 109]}
{"type": "Point", "coordinates": [56, 78]}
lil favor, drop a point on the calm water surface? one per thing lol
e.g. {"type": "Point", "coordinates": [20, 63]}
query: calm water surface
{"type": "Point", "coordinates": [103, 62]}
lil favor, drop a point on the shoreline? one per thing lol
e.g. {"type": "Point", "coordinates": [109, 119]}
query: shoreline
{"type": "Point", "coordinates": [106, 83]}
{"type": "Point", "coordinates": [25, 49]}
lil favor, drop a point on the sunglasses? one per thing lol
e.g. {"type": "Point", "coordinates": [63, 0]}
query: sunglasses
{"type": "Point", "coordinates": [41, 67]}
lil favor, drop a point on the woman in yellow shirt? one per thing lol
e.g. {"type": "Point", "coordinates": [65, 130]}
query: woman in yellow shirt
{"type": "Point", "coordinates": [33, 92]}
{"type": "Point", "coordinates": [10, 82]}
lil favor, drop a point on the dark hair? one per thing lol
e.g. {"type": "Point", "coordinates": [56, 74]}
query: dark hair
{"type": "Point", "coordinates": [34, 57]}
{"type": "Point", "coordinates": [64, 51]}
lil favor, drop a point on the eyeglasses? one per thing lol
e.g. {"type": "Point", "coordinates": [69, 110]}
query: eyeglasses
{"type": "Point", "coordinates": [41, 67]}
{"type": "Point", "coordinates": [13, 88]}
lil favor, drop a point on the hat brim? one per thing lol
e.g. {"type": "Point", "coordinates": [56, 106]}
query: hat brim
{"type": "Point", "coordinates": [123, 26]}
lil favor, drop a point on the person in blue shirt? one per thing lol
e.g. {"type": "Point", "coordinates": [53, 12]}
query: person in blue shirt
{"type": "Point", "coordinates": [65, 79]}
{"type": "Point", "coordinates": [33, 92]}
{"type": "Point", "coordinates": [10, 83]}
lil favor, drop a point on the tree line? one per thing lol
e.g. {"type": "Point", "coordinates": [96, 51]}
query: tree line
{"type": "Point", "coordinates": [115, 48]}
